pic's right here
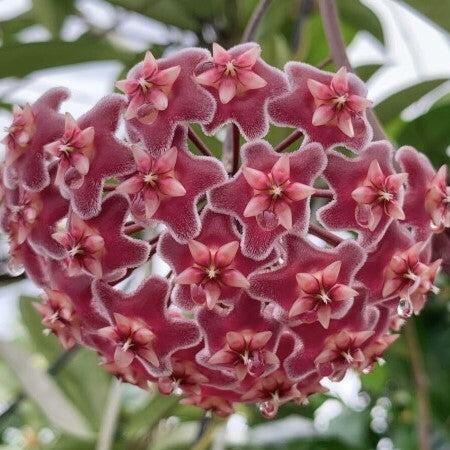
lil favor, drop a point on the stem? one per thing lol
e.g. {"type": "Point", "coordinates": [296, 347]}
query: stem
{"type": "Point", "coordinates": [255, 20]}
{"type": "Point", "coordinates": [323, 193]}
{"type": "Point", "coordinates": [326, 236]}
{"type": "Point", "coordinates": [134, 228]}
{"type": "Point", "coordinates": [110, 417]}
{"type": "Point", "coordinates": [285, 143]}
{"type": "Point", "coordinates": [109, 187]}
{"type": "Point", "coordinates": [53, 370]}
{"type": "Point", "coordinates": [324, 62]}
{"type": "Point", "coordinates": [421, 382]}
{"type": "Point", "coordinates": [195, 139]}
{"type": "Point", "coordinates": [336, 43]}
{"type": "Point", "coordinates": [236, 147]}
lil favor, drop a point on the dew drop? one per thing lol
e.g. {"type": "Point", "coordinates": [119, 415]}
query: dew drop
{"type": "Point", "coordinates": [404, 308]}
{"type": "Point", "coordinates": [267, 220]}
{"type": "Point", "coordinates": [14, 269]}
{"type": "Point", "coordinates": [268, 409]}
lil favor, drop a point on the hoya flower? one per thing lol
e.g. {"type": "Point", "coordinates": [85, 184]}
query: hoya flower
{"type": "Point", "coordinates": [109, 157]}
{"type": "Point", "coordinates": [342, 351]}
{"type": "Point", "coordinates": [374, 351]}
{"type": "Point", "coordinates": [314, 287]}
{"type": "Point", "coordinates": [154, 180]}
{"type": "Point", "coordinates": [185, 101]}
{"type": "Point", "coordinates": [437, 201]}
{"type": "Point", "coordinates": [163, 189]}
{"type": "Point", "coordinates": [99, 246]}
{"type": "Point", "coordinates": [367, 193]}
{"type": "Point", "coordinates": [378, 195]}
{"type": "Point", "coordinates": [211, 268]}
{"type": "Point", "coordinates": [133, 374]}
{"type": "Point", "coordinates": [271, 392]}
{"type": "Point", "coordinates": [270, 194]}
{"type": "Point", "coordinates": [211, 400]}
{"type": "Point", "coordinates": [20, 133]}
{"type": "Point", "coordinates": [74, 151]}
{"type": "Point", "coordinates": [148, 89]}
{"type": "Point", "coordinates": [241, 342]}
{"type": "Point", "coordinates": [232, 75]}
{"type": "Point", "coordinates": [149, 335]}
{"type": "Point", "coordinates": [427, 285]}
{"type": "Point", "coordinates": [332, 110]}
{"type": "Point", "coordinates": [33, 128]}
{"type": "Point", "coordinates": [241, 82]}
{"type": "Point", "coordinates": [59, 317]}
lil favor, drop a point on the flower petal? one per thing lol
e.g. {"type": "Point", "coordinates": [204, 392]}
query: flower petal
{"type": "Point", "coordinates": [200, 253]}
{"type": "Point", "coordinates": [256, 179]}
{"type": "Point", "coordinates": [226, 254]}
{"type": "Point", "coordinates": [227, 90]}
{"type": "Point", "coordinates": [233, 277]}
{"type": "Point", "coordinates": [323, 114]}
{"type": "Point", "coordinates": [299, 191]}
{"type": "Point", "coordinates": [191, 275]}
{"type": "Point", "coordinates": [257, 205]}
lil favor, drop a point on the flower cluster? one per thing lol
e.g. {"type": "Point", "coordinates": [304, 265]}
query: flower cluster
{"type": "Point", "coordinates": [297, 265]}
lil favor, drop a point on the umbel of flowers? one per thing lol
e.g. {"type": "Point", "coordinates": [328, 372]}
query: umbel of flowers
{"type": "Point", "coordinates": [297, 265]}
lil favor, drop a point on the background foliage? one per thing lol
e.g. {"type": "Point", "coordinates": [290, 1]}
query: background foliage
{"type": "Point", "coordinates": [87, 408]}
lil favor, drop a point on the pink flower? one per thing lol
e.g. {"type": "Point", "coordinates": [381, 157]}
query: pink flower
{"type": "Point", "coordinates": [374, 351]}
{"type": "Point", "coordinates": [211, 268]}
{"type": "Point", "coordinates": [317, 292]}
{"type": "Point", "coordinates": [342, 351]}
{"type": "Point", "coordinates": [187, 102]}
{"type": "Point", "coordinates": [206, 400]}
{"type": "Point", "coordinates": [171, 193]}
{"type": "Point", "coordinates": [73, 151]}
{"type": "Point", "coordinates": [240, 82]}
{"type": "Point", "coordinates": [335, 104]}
{"type": "Point", "coordinates": [98, 246]}
{"type": "Point", "coordinates": [20, 133]}
{"type": "Point", "coordinates": [148, 89]}
{"type": "Point", "coordinates": [232, 75]}
{"type": "Point", "coordinates": [314, 287]}
{"type": "Point", "coordinates": [270, 194]}
{"type": "Point", "coordinates": [366, 199]}
{"type": "Point", "coordinates": [149, 335]}
{"type": "Point", "coordinates": [332, 110]}
{"type": "Point", "coordinates": [437, 201]}
{"type": "Point", "coordinates": [59, 317]}
{"type": "Point", "coordinates": [33, 128]}
{"type": "Point", "coordinates": [378, 194]}
{"type": "Point", "coordinates": [109, 157]}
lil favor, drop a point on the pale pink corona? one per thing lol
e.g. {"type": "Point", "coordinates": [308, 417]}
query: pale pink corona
{"type": "Point", "coordinates": [285, 265]}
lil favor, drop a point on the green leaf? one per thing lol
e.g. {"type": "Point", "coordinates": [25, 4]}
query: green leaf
{"type": "Point", "coordinates": [43, 390]}
{"type": "Point", "coordinates": [429, 133]}
{"type": "Point", "coordinates": [52, 13]}
{"type": "Point", "coordinates": [366, 72]}
{"type": "Point", "coordinates": [359, 17]}
{"type": "Point", "coordinates": [437, 11]}
{"type": "Point", "coordinates": [390, 108]}
{"type": "Point", "coordinates": [22, 59]}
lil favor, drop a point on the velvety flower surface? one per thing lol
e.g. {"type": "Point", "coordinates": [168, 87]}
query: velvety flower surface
{"type": "Point", "coordinates": [186, 101]}
{"type": "Point", "coordinates": [368, 193]}
{"type": "Point", "coordinates": [329, 109]}
{"type": "Point", "coordinates": [241, 81]}
{"type": "Point", "coordinates": [267, 288]}
{"type": "Point", "coordinates": [270, 194]}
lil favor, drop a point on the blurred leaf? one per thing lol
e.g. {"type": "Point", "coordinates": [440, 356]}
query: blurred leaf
{"type": "Point", "coordinates": [52, 13]}
{"type": "Point", "coordinates": [360, 17]}
{"type": "Point", "coordinates": [429, 133]}
{"type": "Point", "coordinates": [179, 438]}
{"type": "Point", "coordinates": [42, 389]}
{"type": "Point", "coordinates": [9, 28]}
{"type": "Point", "coordinates": [390, 108]}
{"type": "Point", "coordinates": [437, 11]}
{"type": "Point", "coordinates": [23, 59]}
{"type": "Point", "coordinates": [349, 426]}
{"type": "Point", "coordinates": [49, 346]}
{"type": "Point", "coordinates": [276, 50]}
{"type": "Point", "coordinates": [366, 72]}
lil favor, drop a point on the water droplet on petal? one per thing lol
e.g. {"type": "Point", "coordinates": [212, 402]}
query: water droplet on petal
{"type": "Point", "coordinates": [14, 269]}
{"type": "Point", "coordinates": [267, 220]}
{"type": "Point", "coordinates": [405, 308]}
{"type": "Point", "coordinates": [268, 409]}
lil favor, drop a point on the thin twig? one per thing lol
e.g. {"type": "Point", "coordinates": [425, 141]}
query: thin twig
{"type": "Point", "coordinates": [338, 51]}
{"type": "Point", "coordinates": [236, 148]}
{"type": "Point", "coordinates": [255, 20]}
{"type": "Point", "coordinates": [134, 228]}
{"type": "Point", "coordinates": [421, 382]}
{"type": "Point", "coordinates": [323, 193]}
{"type": "Point", "coordinates": [195, 139]}
{"type": "Point", "coordinates": [326, 236]}
{"type": "Point", "coordinates": [324, 62]}
{"type": "Point", "coordinates": [285, 143]}
{"type": "Point", "coordinates": [109, 187]}
{"type": "Point", "coordinates": [53, 370]}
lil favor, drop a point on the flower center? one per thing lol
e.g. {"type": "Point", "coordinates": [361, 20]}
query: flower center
{"type": "Point", "coordinates": [229, 69]}
{"type": "Point", "coordinates": [76, 250]}
{"type": "Point", "coordinates": [410, 275]}
{"type": "Point", "coordinates": [66, 149]}
{"type": "Point", "coordinates": [347, 356]}
{"type": "Point", "coordinates": [385, 196]}
{"type": "Point", "coordinates": [144, 84]}
{"type": "Point", "coordinates": [276, 191]}
{"type": "Point", "coordinates": [340, 101]}
{"type": "Point", "coordinates": [127, 344]}
{"type": "Point", "coordinates": [212, 272]}
{"type": "Point", "coordinates": [150, 179]}
{"type": "Point", "coordinates": [323, 296]}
